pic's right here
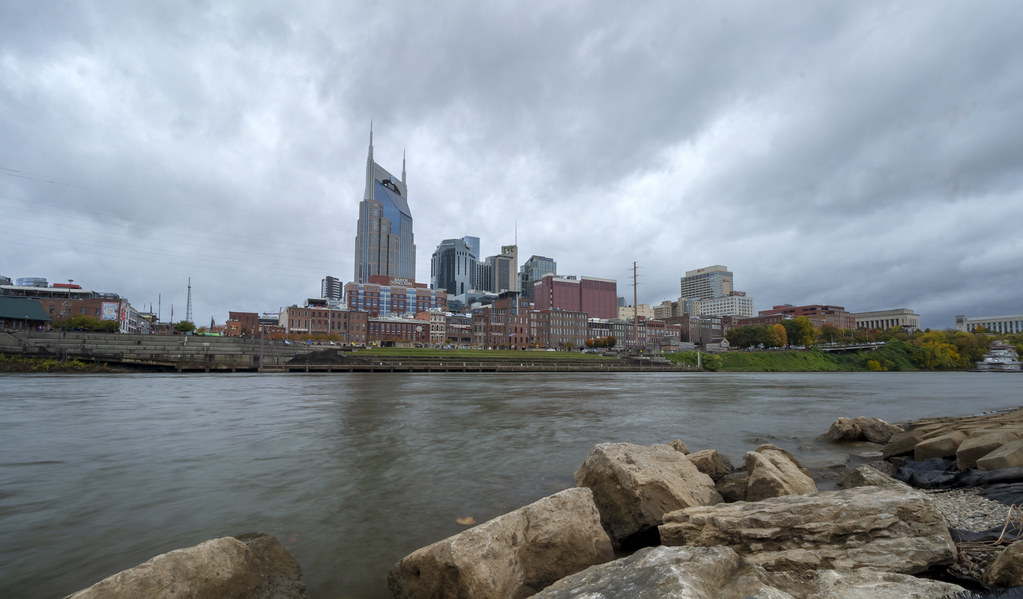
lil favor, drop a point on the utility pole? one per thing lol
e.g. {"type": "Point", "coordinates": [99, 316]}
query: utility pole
{"type": "Point", "coordinates": [188, 308]}
{"type": "Point", "coordinates": [635, 308]}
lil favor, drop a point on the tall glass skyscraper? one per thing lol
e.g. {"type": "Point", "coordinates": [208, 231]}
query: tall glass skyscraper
{"type": "Point", "coordinates": [533, 270]}
{"type": "Point", "coordinates": [453, 267]}
{"type": "Point", "coordinates": [384, 244]}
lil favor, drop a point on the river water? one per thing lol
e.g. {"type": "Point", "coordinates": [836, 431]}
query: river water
{"type": "Point", "coordinates": [353, 471]}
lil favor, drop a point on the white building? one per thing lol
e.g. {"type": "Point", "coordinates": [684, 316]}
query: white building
{"type": "Point", "coordinates": [886, 319]}
{"type": "Point", "coordinates": [1012, 323]}
{"type": "Point", "coordinates": [735, 303]}
{"type": "Point", "coordinates": [630, 312]}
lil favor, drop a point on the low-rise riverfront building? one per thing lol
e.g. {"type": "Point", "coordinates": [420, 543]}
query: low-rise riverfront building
{"type": "Point", "coordinates": [1012, 323]}
{"type": "Point", "coordinates": [886, 319]}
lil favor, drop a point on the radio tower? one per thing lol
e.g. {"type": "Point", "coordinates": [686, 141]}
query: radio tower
{"type": "Point", "coordinates": [188, 308]}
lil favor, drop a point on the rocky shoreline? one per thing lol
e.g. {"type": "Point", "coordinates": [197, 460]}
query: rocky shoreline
{"type": "Point", "coordinates": [661, 521]}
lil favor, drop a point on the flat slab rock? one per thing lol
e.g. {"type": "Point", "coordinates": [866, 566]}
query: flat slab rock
{"type": "Point", "coordinates": [513, 555]}
{"type": "Point", "coordinates": [892, 528]}
{"type": "Point", "coordinates": [252, 566]}
{"type": "Point", "coordinates": [721, 573]}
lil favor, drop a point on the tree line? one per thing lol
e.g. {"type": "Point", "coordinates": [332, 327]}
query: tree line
{"type": "Point", "coordinates": [927, 349]}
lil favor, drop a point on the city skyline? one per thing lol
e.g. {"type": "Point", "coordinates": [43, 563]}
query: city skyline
{"type": "Point", "coordinates": [819, 153]}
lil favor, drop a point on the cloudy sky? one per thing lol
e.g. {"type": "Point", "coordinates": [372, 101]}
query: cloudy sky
{"type": "Point", "coordinates": [864, 154]}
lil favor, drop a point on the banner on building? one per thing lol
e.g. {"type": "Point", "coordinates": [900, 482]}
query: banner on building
{"type": "Point", "coordinates": [110, 311]}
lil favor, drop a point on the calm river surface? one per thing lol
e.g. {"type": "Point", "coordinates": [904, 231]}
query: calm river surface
{"type": "Point", "coordinates": [353, 471]}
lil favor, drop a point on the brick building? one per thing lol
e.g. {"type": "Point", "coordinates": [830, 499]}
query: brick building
{"type": "Point", "coordinates": [598, 298]}
{"type": "Point", "coordinates": [398, 331]}
{"type": "Point", "coordinates": [392, 295]}
{"type": "Point", "coordinates": [819, 314]}
{"type": "Point", "coordinates": [347, 326]}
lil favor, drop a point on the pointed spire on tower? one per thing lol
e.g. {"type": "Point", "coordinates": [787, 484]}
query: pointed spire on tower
{"type": "Point", "coordinates": [369, 166]}
{"type": "Point", "coordinates": [403, 165]}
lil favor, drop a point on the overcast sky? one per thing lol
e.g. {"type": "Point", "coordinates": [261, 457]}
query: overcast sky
{"type": "Point", "coordinates": [863, 154]}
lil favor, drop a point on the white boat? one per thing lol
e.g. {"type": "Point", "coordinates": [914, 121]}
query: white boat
{"type": "Point", "coordinates": [1000, 357]}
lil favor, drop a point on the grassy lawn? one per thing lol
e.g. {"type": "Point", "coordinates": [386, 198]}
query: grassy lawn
{"type": "Point", "coordinates": [475, 354]}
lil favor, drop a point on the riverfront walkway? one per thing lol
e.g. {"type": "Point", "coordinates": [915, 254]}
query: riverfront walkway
{"type": "Point", "coordinates": [192, 353]}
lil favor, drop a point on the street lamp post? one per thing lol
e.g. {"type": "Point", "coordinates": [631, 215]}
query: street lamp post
{"type": "Point", "coordinates": [68, 311]}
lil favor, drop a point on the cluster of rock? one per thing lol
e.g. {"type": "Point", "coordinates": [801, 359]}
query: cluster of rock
{"type": "Point", "coordinates": [702, 528]}
{"type": "Point", "coordinates": [985, 442]}
{"type": "Point", "coordinates": [660, 521]}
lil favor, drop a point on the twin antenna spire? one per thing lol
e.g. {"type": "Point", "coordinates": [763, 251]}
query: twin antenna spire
{"type": "Point", "coordinates": [371, 152]}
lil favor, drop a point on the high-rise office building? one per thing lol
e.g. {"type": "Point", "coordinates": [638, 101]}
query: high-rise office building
{"type": "Point", "coordinates": [332, 288]}
{"type": "Point", "coordinates": [474, 245]}
{"type": "Point", "coordinates": [453, 267]}
{"type": "Point", "coordinates": [533, 270]}
{"type": "Point", "coordinates": [506, 269]}
{"type": "Point", "coordinates": [499, 273]}
{"type": "Point", "coordinates": [384, 244]}
{"type": "Point", "coordinates": [706, 283]}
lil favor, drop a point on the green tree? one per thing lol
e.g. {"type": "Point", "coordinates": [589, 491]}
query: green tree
{"type": "Point", "coordinates": [829, 333]}
{"type": "Point", "coordinates": [80, 322]}
{"type": "Point", "coordinates": [184, 326]}
{"type": "Point", "coordinates": [747, 336]}
{"type": "Point", "coordinates": [800, 331]}
{"type": "Point", "coordinates": [712, 362]}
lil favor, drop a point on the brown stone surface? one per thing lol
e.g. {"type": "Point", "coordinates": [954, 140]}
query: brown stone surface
{"type": "Point", "coordinates": [939, 447]}
{"type": "Point", "coordinates": [680, 446]}
{"type": "Point", "coordinates": [1007, 569]}
{"type": "Point", "coordinates": [1006, 456]}
{"type": "Point", "coordinates": [254, 566]}
{"type": "Point", "coordinates": [773, 473]}
{"type": "Point", "coordinates": [711, 463]}
{"type": "Point", "coordinates": [863, 428]}
{"type": "Point", "coordinates": [889, 528]}
{"type": "Point", "coordinates": [633, 485]}
{"type": "Point", "coordinates": [901, 444]}
{"type": "Point", "coordinates": [868, 476]}
{"type": "Point", "coordinates": [720, 573]}
{"type": "Point", "coordinates": [514, 555]}
{"type": "Point", "coordinates": [732, 487]}
{"type": "Point", "coordinates": [974, 448]}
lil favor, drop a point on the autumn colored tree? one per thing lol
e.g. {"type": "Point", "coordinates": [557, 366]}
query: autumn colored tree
{"type": "Point", "coordinates": [781, 334]}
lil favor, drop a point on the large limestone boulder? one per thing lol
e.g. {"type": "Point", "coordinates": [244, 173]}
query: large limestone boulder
{"type": "Point", "coordinates": [974, 448]}
{"type": "Point", "coordinates": [253, 566]}
{"type": "Point", "coordinates": [712, 463]}
{"type": "Point", "coordinates": [873, 430]}
{"type": "Point", "coordinates": [942, 446]}
{"type": "Point", "coordinates": [891, 528]}
{"type": "Point", "coordinates": [1006, 456]}
{"type": "Point", "coordinates": [634, 486]}
{"type": "Point", "coordinates": [514, 555]}
{"type": "Point", "coordinates": [773, 473]}
{"type": "Point", "coordinates": [720, 573]}
{"type": "Point", "coordinates": [1007, 569]}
